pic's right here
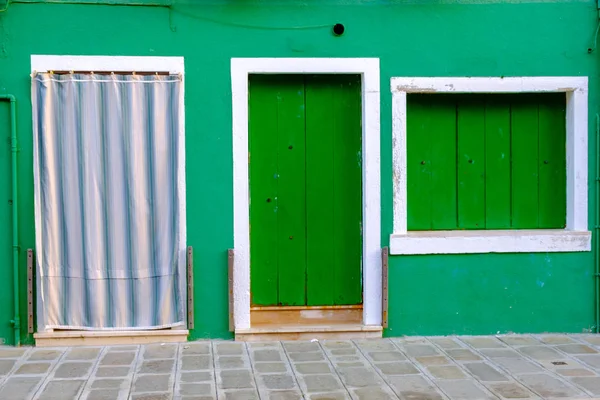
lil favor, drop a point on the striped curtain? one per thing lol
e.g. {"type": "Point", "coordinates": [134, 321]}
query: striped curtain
{"type": "Point", "coordinates": [110, 251]}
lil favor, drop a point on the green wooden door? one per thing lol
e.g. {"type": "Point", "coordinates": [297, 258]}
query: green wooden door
{"type": "Point", "coordinates": [305, 190]}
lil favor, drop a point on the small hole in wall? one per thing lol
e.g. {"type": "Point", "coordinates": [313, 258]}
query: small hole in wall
{"type": "Point", "coordinates": [338, 29]}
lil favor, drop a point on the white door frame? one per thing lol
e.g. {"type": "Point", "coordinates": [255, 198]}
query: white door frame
{"type": "Point", "coordinates": [368, 68]}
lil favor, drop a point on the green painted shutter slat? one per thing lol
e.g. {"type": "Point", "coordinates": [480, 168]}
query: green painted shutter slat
{"type": "Point", "coordinates": [552, 162]}
{"type": "Point", "coordinates": [497, 162]}
{"type": "Point", "coordinates": [262, 130]}
{"type": "Point", "coordinates": [524, 149]}
{"type": "Point", "coordinates": [419, 187]}
{"type": "Point", "coordinates": [471, 163]}
{"type": "Point", "coordinates": [291, 201]}
{"type": "Point", "coordinates": [319, 191]}
{"type": "Point", "coordinates": [442, 140]}
{"type": "Point", "coordinates": [347, 191]}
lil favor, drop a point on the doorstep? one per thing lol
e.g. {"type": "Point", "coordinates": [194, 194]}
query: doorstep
{"type": "Point", "coordinates": [103, 338]}
{"type": "Point", "coordinates": [309, 332]}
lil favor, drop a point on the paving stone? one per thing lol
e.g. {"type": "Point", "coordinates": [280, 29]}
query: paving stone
{"type": "Point", "coordinates": [346, 358]}
{"type": "Point", "coordinates": [230, 349]}
{"type": "Point", "coordinates": [548, 386]}
{"type": "Point", "coordinates": [496, 353]}
{"type": "Point", "coordinates": [575, 372]}
{"type": "Point", "coordinates": [463, 355]}
{"type": "Point", "coordinates": [300, 357]}
{"type": "Point", "coordinates": [376, 345]}
{"type": "Point", "coordinates": [343, 352]}
{"type": "Point", "coordinates": [44, 355]}
{"type": "Point", "coordinates": [485, 373]}
{"type": "Point", "coordinates": [152, 396]}
{"type": "Point", "coordinates": [6, 366]}
{"type": "Point", "coordinates": [73, 370]}
{"type": "Point", "coordinates": [414, 388]}
{"type": "Point", "coordinates": [267, 355]}
{"type": "Point", "coordinates": [195, 348]}
{"type": "Point", "coordinates": [556, 339]}
{"type": "Point", "coordinates": [160, 351]}
{"type": "Point", "coordinates": [265, 368]}
{"type": "Point", "coordinates": [593, 360]}
{"type": "Point", "coordinates": [195, 389]}
{"type": "Point", "coordinates": [263, 345]}
{"type": "Point", "coordinates": [463, 390]}
{"type": "Point", "coordinates": [519, 340]}
{"type": "Point", "coordinates": [236, 379]}
{"type": "Point", "coordinates": [196, 376]}
{"type": "Point", "coordinates": [108, 383]}
{"type": "Point", "coordinates": [329, 396]}
{"type": "Point", "coordinates": [420, 350]}
{"type": "Point", "coordinates": [510, 390]}
{"type": "Point", "coordinates": [359, 377]}
{"type": "Point", "coordinates": [433, 360]}
{"type": "Point", "coordinates": [284, 395]}
{"type": "Point", "coordinates": [157, 367]}
{"type": "Point", "coordinates": [313, 368]}
{"type": "Point", "coordinates": [151, 383]}
{"type": "Point", "coordinates": [348, 364]}
{"type": "Point", "coordinates": [483, 342]}
{"type": "Point", "coordinates": [540, 352]}
{"type": "Point", "coordinates": [321, 383]}
{"type": "Point", "coordinates": [11, 352]}
{"type": "Point", "coordinates": [19, 387]}
{"type": "Point", "coordinates": [446, 372]}
{"type": "Point", "coordinates": [387, 356]}
{"type": "Point", "coordinates": [372, 393]}
{"type": "Point", "coordinates": [195, 362]}
{"type": "Point", "coordinates": [593, 339]}
{"type": "Point", "coordinates": [83, 353]}
{"type": "Point", "coordinates": [576, 349]}
{"type": "Point", "coordinates": [102, 395]}
{"type": "Point", "coordinates": [198, 398]}
{"type": "Point", "coordinates": [122, 348]}
{"type": "Point", "coordinates": [398, 368]}
{"type": "Point", "coordinates": [591, 384]}
{"type": "Point", "coordinates": [445, 343]}
{"type": "Point", "coordinates": [517, 365]}
{"type": "Point", "coordinates": [61, 390]}
{"type": "Point", "coordinates": [301, 347]}
{"type": "Point", "coordinates": [230, 362]}
{"type": "Point", "coordinates": [34, 368]}
{"type": "Point", "coordinates": [118, 358]}
{"type": "Point", "coordinates": [336, 344]}
{"type": "Point", "coordinates": [275, 382]}
{"type": "Point", "coordinates": [112, 372]}
{"type": "Point", "coordinates": [241, 395]}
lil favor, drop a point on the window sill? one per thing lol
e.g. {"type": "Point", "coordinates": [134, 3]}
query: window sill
{"type": "Point", "coordinates": [493, 241]}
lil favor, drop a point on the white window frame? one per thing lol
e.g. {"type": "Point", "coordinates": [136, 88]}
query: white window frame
{"type": "Point", "coordinates": [368, 68]}
{"type": "Point", "coordinates": [574, 238]}
{"type": "Point", "coordinates": [103, 64]}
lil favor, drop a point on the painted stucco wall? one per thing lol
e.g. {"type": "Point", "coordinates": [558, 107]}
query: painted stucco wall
{"type": "Point", "coordinates": [471, 294]}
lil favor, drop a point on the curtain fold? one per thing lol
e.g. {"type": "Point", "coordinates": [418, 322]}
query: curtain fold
{"type": "Point", "coordinates": [107, 194]}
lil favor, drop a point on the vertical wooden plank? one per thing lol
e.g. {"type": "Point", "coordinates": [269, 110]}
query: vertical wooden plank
{"type": "Point", "coordinates": [471, 162]}
{"type": "Point", "coordinates": [552, 161]}
{"type": "Point", "coordinates": [418, 166]}
{"type": "Point", "coordinates": [30, 264]}
{"type": "Point", "coordinates": [291, 202]}
{"type": "Point", "coordinates": [347, 170]}
{"type": "Point", "coordinates": [262, 131]}
{"type": "Point", "coordinates": [319, 191]}
{"type": "Point", "coordinates": [497, 162]}
{"type": "Point", "coordinates": [442, 139]}
{"type": "Point", "coordinates": [524, 149]}
{"type": "Point", "coordinates": [385, 252]}
{"type": "Point", "coordinates": [230, 280]}
{"type": "Point", "coordinates": [190, 287]}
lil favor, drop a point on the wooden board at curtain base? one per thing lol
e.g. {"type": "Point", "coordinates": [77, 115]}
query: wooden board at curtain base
{"type": "Point", "coordinates": [305, 189]}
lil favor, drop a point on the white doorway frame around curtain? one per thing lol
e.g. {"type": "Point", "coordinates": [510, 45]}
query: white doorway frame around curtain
{"type": "Point", "coordinates": [107, 64]}
{"type": "Point", "coordinates": [368, 68]}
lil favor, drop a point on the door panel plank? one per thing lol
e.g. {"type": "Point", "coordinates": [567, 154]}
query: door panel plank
{"type": "Point", "coordinates": [262, 130]}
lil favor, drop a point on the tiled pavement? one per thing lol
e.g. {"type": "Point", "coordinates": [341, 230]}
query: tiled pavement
{"type": "Point", "coordinates": [484, 367]}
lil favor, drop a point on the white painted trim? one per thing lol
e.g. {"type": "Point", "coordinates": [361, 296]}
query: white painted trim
{"type": "Point", "coordinates": [466, 242]}
{"type": "Point", "coordinates": [369, 70]}
{"type": "Point", "coordinates": [172, 65]}
{"type": "Point", "coordinates": [576, 89]}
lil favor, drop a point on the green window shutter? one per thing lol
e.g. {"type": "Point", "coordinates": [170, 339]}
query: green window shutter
{"type": "Point", "coordinates": [491, 161]}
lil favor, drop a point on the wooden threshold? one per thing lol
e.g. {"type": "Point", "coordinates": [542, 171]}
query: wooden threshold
{"type": "Point", "coordinates": [100, 338]}
{"type": "Point", "coordinates": [305, 315]}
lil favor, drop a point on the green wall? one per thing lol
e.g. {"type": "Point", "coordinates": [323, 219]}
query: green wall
{"type": "Point", "coordinates": [429, 294]}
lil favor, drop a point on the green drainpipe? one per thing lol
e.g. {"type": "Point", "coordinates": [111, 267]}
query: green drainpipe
{"type": "Point", "coordinates": [597, 224]}
{"type": "Point", "coordinates": [15, 208]}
